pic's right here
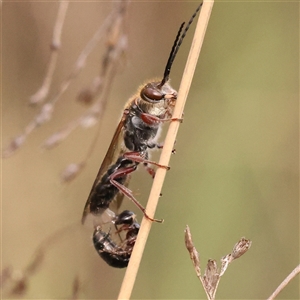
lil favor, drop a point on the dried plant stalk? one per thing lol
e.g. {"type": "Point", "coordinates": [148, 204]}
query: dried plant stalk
{"type": "Point", "coordinates": [131, 272]}
{"type": "Point", "coordinates": [212, 275]}
{"type": "Point", "coordinates": [16, 282]}
{"type": "Point", "coordinates": [285, 282]}
{"type": "Point", "coordinates": [47, 110]}
{"type": "Point", "coordinates": [42, 93]}
{"type": "Point", "coordinates": [194, 255]}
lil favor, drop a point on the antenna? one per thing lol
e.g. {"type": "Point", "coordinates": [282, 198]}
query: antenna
{"type": "Point", "coordinates": [178, 41]}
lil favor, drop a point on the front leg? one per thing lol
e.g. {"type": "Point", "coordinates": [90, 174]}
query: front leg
{"type": "Point", "coordinates": [152, 120]}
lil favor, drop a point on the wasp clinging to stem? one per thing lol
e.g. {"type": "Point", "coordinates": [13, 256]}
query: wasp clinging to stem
{"type": "Point", "coordinates": [136, 134]}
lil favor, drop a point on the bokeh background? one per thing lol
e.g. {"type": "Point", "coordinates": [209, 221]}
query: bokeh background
{"type": "Point", "coordinates": [236, 171]}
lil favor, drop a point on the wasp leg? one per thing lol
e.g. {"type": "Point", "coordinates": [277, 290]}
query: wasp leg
{"type": "Point", "coordinates": [150, 119]}
{"type": "Point", "coordinates": [127, 192]}
{"type": "Point", "coordinates": [150, 170]}
{"type": "Point", "coordinates": [160, 146]}
{"type": "Point", "coordinates": [137, 157]}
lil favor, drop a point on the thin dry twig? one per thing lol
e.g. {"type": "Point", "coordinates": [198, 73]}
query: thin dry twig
{"type": "Point", "coordinates": [73, 169]}
{"type": "Point", "coordinates": [76, 287]}
{"type": "Point", "coordinates": [285, 282]}
{"type": "Point", "coordinates": [194, 255]}
{"type": "Point", "coordinates": [43, 91]}
{"type": "Point", "coordinates": [47, 109]}
{"type": "Point", "coordinates": [131, 272]}
{"type": "Point", "coordinates": [5, 276]}
{"type": "Point", "coordinates": [116, 42]}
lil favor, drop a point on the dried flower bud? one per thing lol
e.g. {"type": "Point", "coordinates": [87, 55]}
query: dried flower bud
{"type": "Point", "coordinates": [194, 255]}
{"type": "Point", "coordinates": [87, 95]}
{"type": "Point", "coordinates": [240, 248]}
{"type": "Point", "coordinates": [15, 144]}
{"type": "Point", "coordinates": [55, 45]}
{"type": "Point", "coordinates": [21, 283]}
{"type": "Point", "coordinates": [53, 140]}
{"type": "Point", "coordinates": [71, 171]}
{"type": "Point", "coordinates": [89, 120]}
{"type": "Point", "coordinates": [45, 114]}
{"type": "Point", "coordinates": [211, 277]}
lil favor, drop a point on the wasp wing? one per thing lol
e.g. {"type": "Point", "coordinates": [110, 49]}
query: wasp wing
{"type": "Point", "coordinates": [114, 151]}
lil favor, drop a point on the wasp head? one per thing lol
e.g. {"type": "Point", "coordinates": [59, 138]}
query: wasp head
{"type": "Point", "coordinates": [153, 92]}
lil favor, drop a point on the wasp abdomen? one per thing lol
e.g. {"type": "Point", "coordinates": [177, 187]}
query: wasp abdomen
{"type": "Point", "coordinates": [105, 191]}
{"type": "Point", "coordinates": [117, 255]}
{"type": "Point", "coordinates": [112, 254]}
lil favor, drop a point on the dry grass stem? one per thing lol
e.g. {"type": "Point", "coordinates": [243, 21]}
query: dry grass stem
{"type": "Point", "coordinates": [212, 275]}
{"type": "Point", "coordinates": [132, 269]}
{"type": "Point", "coordinates": [285, 282]}
{"type": "Point", "coordinates": [42, 93]}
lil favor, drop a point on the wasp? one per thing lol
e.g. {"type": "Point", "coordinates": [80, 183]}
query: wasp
{"type": "Point", "coordinates": [117, 255]}
{"type": "Point", "coordinates": [135, 136]}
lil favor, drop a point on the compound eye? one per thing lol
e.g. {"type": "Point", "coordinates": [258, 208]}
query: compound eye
{"type": "Point", "coordinates": [149, 93]}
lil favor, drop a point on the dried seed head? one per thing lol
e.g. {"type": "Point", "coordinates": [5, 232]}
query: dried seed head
{"type": "Point", "coordinates": [240, 248]}
{"type": "Point", "coordinates": [211, 277]}
{"type": "Point", "coordinates": [194, 255]}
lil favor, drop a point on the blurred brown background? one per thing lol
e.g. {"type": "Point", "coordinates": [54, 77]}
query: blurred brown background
{"type": "Point", "coordinates": [235, 172]}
